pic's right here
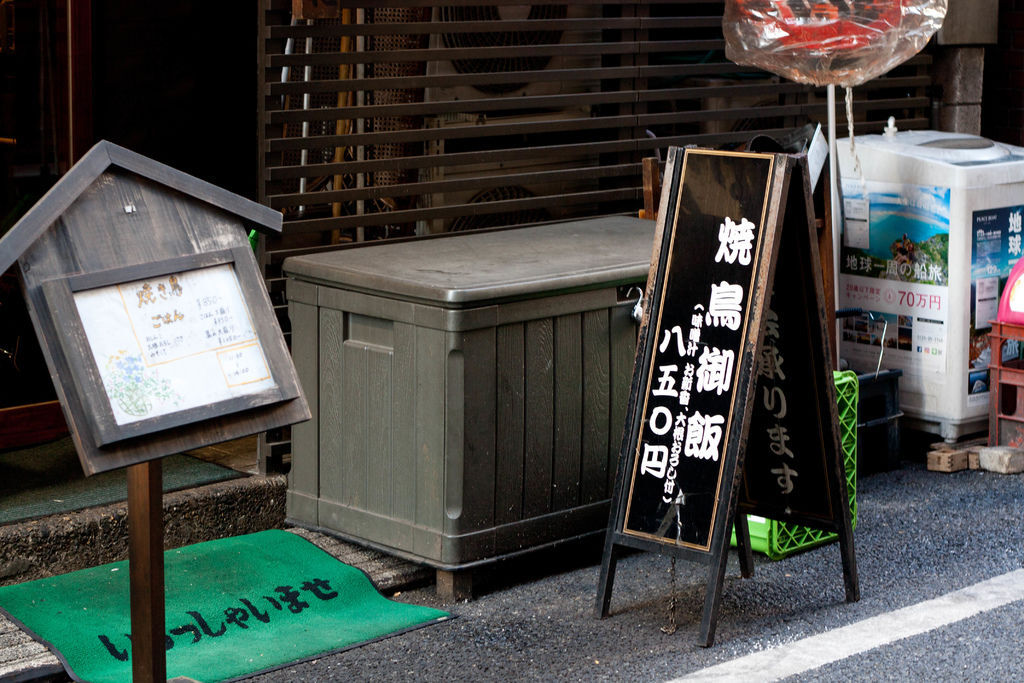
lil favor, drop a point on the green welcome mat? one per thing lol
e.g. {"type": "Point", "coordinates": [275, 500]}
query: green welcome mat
{"type": "Point", "coordinates": [48, 479]}
{"type": "Point", "coordinates": [234, 607]}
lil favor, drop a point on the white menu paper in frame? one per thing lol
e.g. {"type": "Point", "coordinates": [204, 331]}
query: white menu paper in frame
{"type": "Point", "coordinates": [174, 342]}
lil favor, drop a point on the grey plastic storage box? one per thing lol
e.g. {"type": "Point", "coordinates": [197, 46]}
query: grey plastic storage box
{"type": "Point", "coordinates": [468, 392]}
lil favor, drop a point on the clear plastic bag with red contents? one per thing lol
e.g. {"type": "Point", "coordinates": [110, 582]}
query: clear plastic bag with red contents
{"type": "Point", "coordinates": [828, 43]}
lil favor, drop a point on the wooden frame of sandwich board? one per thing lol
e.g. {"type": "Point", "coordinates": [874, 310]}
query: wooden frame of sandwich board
{"type": "Point", "coordinates": [158, 334]}
{"type": "Point", "coordinates": [732, 407]}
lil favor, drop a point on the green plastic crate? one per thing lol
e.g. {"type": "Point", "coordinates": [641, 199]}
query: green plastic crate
{"type": "Point", "coordinates": [780, 539]}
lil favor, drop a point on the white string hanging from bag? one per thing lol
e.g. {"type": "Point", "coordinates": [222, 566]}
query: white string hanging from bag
{"type": "Point", "coordinates": [858, 172]}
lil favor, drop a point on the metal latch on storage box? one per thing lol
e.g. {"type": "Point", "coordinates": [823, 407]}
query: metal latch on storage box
{"type": "Point", "coordinates": [627, 293]}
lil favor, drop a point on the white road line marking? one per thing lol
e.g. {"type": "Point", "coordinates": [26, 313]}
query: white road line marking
{"type": "Point", "coordinates": [831, 646]}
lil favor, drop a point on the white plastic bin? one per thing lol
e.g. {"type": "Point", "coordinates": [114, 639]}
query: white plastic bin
{"type": "Point", "coordinates": [932, 228]}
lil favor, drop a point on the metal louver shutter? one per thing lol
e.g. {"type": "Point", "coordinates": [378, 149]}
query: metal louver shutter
{"type": "Point", "coordinates": [408, 119]}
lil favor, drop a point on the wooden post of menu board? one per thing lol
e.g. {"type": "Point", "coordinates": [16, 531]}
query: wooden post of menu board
{"type": "Point", "coordinates": [146, 568]}
{"type": "Point", "coordinates": [732, 406]}
{"type": "Point", "coordinates": [158, 332]}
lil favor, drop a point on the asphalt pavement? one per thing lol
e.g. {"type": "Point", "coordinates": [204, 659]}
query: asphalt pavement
{"type": "Point", "coordinates": [919, 536]}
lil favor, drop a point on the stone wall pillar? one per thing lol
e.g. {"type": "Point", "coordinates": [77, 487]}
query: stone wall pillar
{"type": "Point", "coordinates": [959, 72]}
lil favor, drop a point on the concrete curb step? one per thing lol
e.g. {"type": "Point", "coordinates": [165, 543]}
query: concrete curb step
{"type": "Point", "coordinates": [63, 543]}
{"type": "Point", "coordinates": [388, 574]}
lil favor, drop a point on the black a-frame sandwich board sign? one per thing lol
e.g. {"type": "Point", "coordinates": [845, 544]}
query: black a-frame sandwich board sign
{"type": "Point", "coordinates": [732, 407]}
{"type": "Point", "coordinates": [158, 333]}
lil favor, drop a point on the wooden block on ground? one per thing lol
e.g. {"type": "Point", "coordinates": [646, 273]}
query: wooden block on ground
{"type": "Point", "coordinates": [947, 461]}
{"type": "Point", "coordinates": [976, 442]}
{"type": "Point", "coordinates": [973, 459]}
{"type": "Point", "coordinates": [455, 585]}
{"type": "Point", "coordinates": [966, 444]}
{"type": "Point", "coordinates": [1002, 459]}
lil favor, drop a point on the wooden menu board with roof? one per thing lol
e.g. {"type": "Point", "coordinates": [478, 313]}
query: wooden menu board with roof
{"type": "Point", "coordinates": [150, 310]}
{"type": "Point", "coordinates": [158, 334]}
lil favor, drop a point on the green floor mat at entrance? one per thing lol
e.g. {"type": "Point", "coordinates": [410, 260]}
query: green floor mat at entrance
{"type": "Point", "coordinates": [48, 479]}
{"type": "Point", "coordinates": [235, 607]}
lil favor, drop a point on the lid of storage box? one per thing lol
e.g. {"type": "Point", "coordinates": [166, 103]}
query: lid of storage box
{"type": "Point", "coordinates": [473, 267]}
